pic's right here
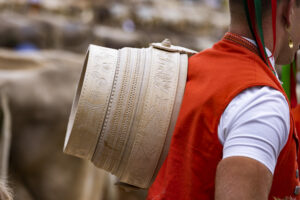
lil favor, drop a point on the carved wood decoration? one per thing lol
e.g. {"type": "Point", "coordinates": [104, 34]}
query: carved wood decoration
{"type": "Point", "coordinates": [125, 109]}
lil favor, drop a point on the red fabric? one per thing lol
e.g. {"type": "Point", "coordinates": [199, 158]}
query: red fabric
{"type": "Point", "coordinates": [215, 77]}
{"type": "Point", "coordinates": [296, 114]}
{"type": "Point", "coordinates": [293, 85]}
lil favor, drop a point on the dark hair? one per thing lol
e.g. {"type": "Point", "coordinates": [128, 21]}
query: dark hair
{"type": "Point", "coordinates": [266, 4]}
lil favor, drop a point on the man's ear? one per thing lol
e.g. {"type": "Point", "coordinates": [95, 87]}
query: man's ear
{"type": "Point", "coordinates": [288, 11]}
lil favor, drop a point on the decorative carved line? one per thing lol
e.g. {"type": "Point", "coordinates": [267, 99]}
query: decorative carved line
{"type": "Point", "coordinates": [142, 176]}
{"type": "Point", "coordinates": [125, 108]}
{"type": "Point", "coordinates": [87, 109]}
{"type": "Point", "coordinates": [116, 130]}
{"type": "Point", "coordinates": [130, 109]}
{"type": "Point", "coordinates": [101, 143]}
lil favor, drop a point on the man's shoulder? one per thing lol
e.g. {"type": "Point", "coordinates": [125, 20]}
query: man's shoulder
{"type": "Point", "coordinates": [222, 53]}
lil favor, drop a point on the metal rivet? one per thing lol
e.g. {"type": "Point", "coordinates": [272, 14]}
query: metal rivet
{"type": "Point", "coordinates": [297, 190]}
{"type": "Point", "coordinates": [166, 43]}
{"type": "Point", "coordinates": [297, 173]}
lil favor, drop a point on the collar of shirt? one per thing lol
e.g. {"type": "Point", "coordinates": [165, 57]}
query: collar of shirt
{"type": "Point", "coordinates": [269, 53]}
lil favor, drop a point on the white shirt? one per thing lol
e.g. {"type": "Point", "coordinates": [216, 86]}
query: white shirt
{"type": "Point", "coordinates": [256, 124]}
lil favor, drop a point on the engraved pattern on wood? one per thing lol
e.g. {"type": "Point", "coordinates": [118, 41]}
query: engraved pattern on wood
{"type": "Point", "coordinates": [129, 108]}
{"type": "Point", "coordinates": [143, 83]}
{"type": "Point", "coordinates": [120, 116]}
{"type": "Point", "coordinates": [124, 177]}
{"type": "Point", "coordinates": [153, 127]}
{"type": "Point", "coordinates": [128, 103]}
{"type": "Point", "coordinates": [96, 159]}
{"type": "Point", "coordinates": [92, 101]}
{"type": "Point", "coordinates": [110, 128]}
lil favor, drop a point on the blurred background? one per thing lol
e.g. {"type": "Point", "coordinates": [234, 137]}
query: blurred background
{"type": "Point", "coordinates": [73, 24]}
{"type": "Point", "coordinates": [42, 47]}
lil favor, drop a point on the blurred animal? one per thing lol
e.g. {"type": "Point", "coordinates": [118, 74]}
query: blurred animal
{"type": "Point", "coordinates": [5, 141]}
{"type": "Point", "coordinates": [5, 193]}
{"type": "Point", "coordinates": [40, 87]}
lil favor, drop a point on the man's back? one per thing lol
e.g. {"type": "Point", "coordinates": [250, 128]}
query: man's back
{"type": "Point", "coordinates": [215, 77]}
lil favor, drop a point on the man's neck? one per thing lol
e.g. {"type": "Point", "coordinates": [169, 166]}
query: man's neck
{"type": "Point", "coordinates": [243, 31]}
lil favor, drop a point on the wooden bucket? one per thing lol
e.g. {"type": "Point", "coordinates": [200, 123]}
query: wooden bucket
{"type": "Point", "coordinates": [125, 109]}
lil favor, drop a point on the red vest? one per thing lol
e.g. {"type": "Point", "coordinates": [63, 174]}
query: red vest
{"type": "Point", "coordinates": [215, 77]}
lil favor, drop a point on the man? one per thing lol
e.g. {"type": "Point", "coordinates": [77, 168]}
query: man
{"type": "Point", "coordinates": [234, 137]}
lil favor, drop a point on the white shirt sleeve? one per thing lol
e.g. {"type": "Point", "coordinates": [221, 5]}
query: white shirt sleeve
{"type": "Point", "coordinates": [255, 124]}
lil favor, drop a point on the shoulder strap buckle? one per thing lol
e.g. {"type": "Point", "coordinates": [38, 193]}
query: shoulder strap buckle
{"type": "Point", "coordinates": [166, 45]}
